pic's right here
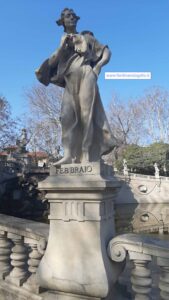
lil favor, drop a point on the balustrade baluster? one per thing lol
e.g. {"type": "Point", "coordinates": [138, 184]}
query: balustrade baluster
{"type": "Point", "coordinates": [33, 263]}
{"type": "Point", "coordinates": [164, 277]}
{"type": "Point", "coordinates": [141, 276]}
{"type": "Point", "coordinates": [5, 251]}
{"type": "Point", "coordinates": [19, 256]}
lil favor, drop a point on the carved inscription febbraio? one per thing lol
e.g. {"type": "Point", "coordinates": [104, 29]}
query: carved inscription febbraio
{"type": "Point", "coordinates": [75, 170]}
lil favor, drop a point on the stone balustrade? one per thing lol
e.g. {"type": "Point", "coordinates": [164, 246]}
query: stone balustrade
{"type": "Point", "coordinates": [141, 250]}
{"type": "Point", "coordinates": [22, 245]}
{"type": "Point", "coordinates": [139, 188]}
{"type": "Point", "coordinates": [23, 242]}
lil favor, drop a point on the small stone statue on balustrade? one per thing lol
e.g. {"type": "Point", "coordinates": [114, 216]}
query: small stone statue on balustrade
{"type": "Point", "coordinates": [125, 168]}
{"type": "Point", "coordinates": [157, 171]}
{"type": "Point", "coordinates": [165, 169]}
{"type": "Point", "coordinates": [22, 141]}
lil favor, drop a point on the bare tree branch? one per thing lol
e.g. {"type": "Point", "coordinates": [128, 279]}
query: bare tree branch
{"type": "Point", "coordinates": [44, 120]}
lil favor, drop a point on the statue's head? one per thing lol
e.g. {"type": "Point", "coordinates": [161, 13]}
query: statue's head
{"type": "Point", "coordinates": [68, 18]}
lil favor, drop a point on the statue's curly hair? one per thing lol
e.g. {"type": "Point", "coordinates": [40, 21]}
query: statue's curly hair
{"type": "Point", "coordinates": [60, 21]}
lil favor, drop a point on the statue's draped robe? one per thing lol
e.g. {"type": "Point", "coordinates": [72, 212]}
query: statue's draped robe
{"type": "Point", "coordinates": [84, 124]}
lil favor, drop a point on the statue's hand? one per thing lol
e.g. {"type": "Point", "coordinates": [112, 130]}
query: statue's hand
{"type": "Point", "coordinates": [97, 69]}
{"type": "Point", "coordinates": [64, 40]}
{"type": "Point", "coordinates": [80, 44]}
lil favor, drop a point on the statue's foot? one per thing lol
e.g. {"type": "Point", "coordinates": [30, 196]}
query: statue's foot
{"type": "Point", "coordinates": [64, 160]}
{"type": "Point", "coordinates": [85, 158]}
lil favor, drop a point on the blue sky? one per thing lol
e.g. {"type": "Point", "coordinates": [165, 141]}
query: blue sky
{"type": "Point", "coordinates": [136, 31]}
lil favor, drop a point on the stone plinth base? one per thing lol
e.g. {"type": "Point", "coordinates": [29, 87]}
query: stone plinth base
{"type": "Point", "coordinates": [115, 295]}
{"type": "Point", "coordinates": [81, 217]}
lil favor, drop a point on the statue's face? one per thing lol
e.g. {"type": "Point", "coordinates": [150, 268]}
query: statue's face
{"type": "Point", "coordinates": [69, 19]}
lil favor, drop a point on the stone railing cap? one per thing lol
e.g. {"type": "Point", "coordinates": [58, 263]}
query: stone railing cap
{"type": "Point", "coordinates": [120, 245]}
{"type": "Point", "coordinates": [23, 227]}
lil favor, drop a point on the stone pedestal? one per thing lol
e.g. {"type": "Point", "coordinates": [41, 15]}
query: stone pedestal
{"type": "Point", "coordinates": [81, 225]}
